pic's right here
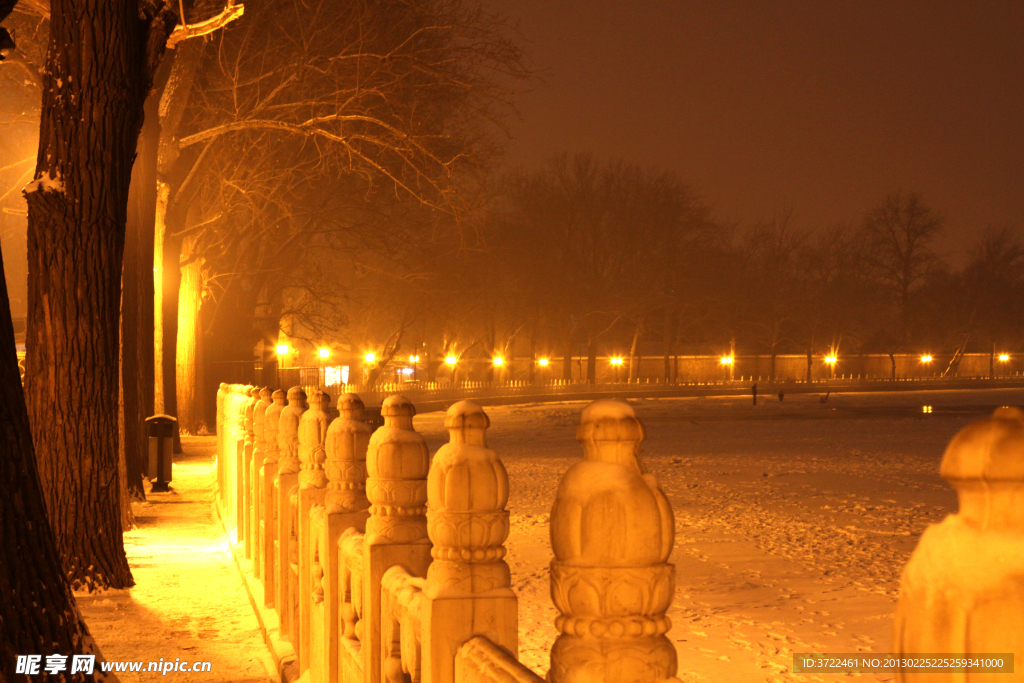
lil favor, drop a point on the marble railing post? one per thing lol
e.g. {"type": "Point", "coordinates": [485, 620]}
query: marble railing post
{"type": "Point", "coordinates": [244, 529]}
{"type": "Point", "coordinates": [285, 486]}
{"type": "Point", "coordinates": [468, 587]}
{"type": "Point", "coordinates": [238, 481]}
{"type": "Point", "coordinates": [963, 589]}
{"type": "Point", "coordinates": [397, 463]}
{"type": "Point", "coordinates": [259, 453]}
{"type": "Point", "coordinates": [312, 489]}
{"type": "Point", "coordinates": [345, 507]}
{"type": "Point", "coordinates": [233, 456]}
{"type": "Point", "coordinates": [222, 394]}
{"type": "Point", "coordinates": [268, 506]}
{"type": "Point", "coordinates": [612, 533]}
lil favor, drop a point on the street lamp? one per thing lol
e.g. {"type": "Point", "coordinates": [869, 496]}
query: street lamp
{"type": "Point", "coordinates": [1004, 357]}
{"type": "Point", "coordinates": [282, 351]}
{"type": "Point", "coordinates": [324, 352]}
{"type": "Point", "coordinates": [543, 362]}
{"type": "Point", "coordinates": [498, 361]}
{"type": "Point", "coordinates": [371, 357]}
{"type": "Point", "coordinates": [616, 363]}
{"type": "Point", "coordinates": [831, 360]}
{"type": "Point", "coordinates": [926, 358]}
{"type": "Point", "coordinates": [726, 360]}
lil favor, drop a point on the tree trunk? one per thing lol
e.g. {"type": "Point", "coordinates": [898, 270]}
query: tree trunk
{"type": "Point", "coordinates": [810, 365]}
{"type": "Point", "coordinates": [169, 216]}
{"type": "Point", "coordinates": [892, 364]}
{"type": "Point", "coordinates": [592, 361]}
{"type": "Point", "coordinates": [532, 369]}
{"type": "Point", "coordinates": [567, 359]}
{"type": "Point", "coordinates": [188, 365]}
{"type": "Point", "coordinates": [38, 614]}
{"type": "Point", "coordinates": [634, 361]}
{"type": "Point", "coordinates": [92, 109]}
{"type": "Point", "coordinates": [137, 304]}
{"type": "Point", "coordinates": [668, 334]}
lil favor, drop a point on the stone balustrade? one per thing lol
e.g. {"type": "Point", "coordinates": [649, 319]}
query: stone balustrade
{"type": "Point", "coordinates": [384, 565]}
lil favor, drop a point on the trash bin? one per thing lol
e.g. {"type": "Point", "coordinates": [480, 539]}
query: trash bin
{"type": "Point", "coordinates": [161, 443]}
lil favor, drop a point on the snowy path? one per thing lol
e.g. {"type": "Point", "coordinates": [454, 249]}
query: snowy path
{"type": "Point", "coordinates": [793, 520]}
{"type": "Point", "coordinates": [188, 601]}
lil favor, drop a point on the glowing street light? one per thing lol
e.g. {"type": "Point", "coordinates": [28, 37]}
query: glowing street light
{"type": "Point", "coordinates": [926, 358]}
{"type": "Point", "coordinates": [1004, 357]}
{"type": "Point", "coordinates": [543, 362]}
{"type": "Point", "coordinates": [282, 349]}
{"type": "Point", "coordinates": [451, 360]}
{"type": "Point", "coordinates": [616, 363]}
{"type": "Point", "coordinates": [726, 360]}
{"type": "Point", "coordinates": [371, 357]}
{"type": "Point", "coordinates": [414, 359]}
{"type": "Point", "coordinates": [831, 360]}
{"type": "Point", "coordinates": [498, 361]}
{"type": "Point", "coordinates": [324, 352]}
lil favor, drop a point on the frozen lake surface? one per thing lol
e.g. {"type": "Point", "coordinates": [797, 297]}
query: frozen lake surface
{"type": "Point", "coordinates": [793, 519]}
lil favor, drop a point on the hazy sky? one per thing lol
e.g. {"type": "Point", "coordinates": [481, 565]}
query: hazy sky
{"type": "Point", "coordinates": [825, 106]}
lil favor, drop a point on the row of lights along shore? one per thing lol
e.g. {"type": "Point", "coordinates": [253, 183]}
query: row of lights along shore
{"type": "Point", "coordinates": [283, 349]}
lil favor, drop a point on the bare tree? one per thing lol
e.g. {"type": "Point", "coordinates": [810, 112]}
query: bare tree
{"type": "Point", "coordinates": [900, 238]}
{"type": "Point", "coordinates": [76, 210]}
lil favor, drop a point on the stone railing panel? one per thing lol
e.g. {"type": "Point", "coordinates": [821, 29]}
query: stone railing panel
{"type": "Point", "coordinates": [481, 661]}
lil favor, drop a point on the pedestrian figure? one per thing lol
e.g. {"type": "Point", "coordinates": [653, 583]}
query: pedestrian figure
{"type": "Point", "coordinates": [782, 395]}
{"type": "Point", "coordinates": [754, 389]}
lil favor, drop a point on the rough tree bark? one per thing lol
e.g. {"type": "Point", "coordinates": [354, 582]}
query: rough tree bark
{"type": "Point", "coordinates": [38, 614]}
{"type": "Point", "coordinates": [188, 359]}
{"type": "Point", "coordinates": [137, 301]}
{"type": "Point", "coordinates": [92, 109]}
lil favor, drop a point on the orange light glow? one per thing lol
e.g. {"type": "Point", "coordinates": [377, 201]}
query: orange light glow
{"type": "Point", "coordinates": [726, 360]}
{"type": "Point", "coordinates": [498, 360]}
{"type": "Point", "coordinates": [324, 353]}
{"type": "Point", "coordinates": [451, 360]}
{"type": "Point", "coordinates": [371, 357]}
{"type": "Point", "coordinates": [543, 362]}
{"type": "Point", "coordinates": [282, 349]}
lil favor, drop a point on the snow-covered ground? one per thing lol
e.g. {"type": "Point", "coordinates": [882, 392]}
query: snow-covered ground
{"type": "Point", "coordinates": [793, 522]}
{"type": "Point", "coordinates": [188, 601]}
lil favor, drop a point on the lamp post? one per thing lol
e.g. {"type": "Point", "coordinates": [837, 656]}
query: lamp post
{"type": "Point", "coordinates": [451, 361]}
{"type": "Point", "coordinates": [323, 353]}
{"type": "Point", "coordinates": [728, 362]}
{"type": "Point", "coordinates": [616, 363]}
{"type": "Point", "coordinates": [831, 360]}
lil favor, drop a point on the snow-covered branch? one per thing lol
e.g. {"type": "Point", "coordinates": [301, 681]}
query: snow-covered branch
{"type": "Point", "coordinates": [185, 31]}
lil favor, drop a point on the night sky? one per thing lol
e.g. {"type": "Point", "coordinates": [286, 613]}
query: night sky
{"type": "Point", "coordinates": [821, 106]}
